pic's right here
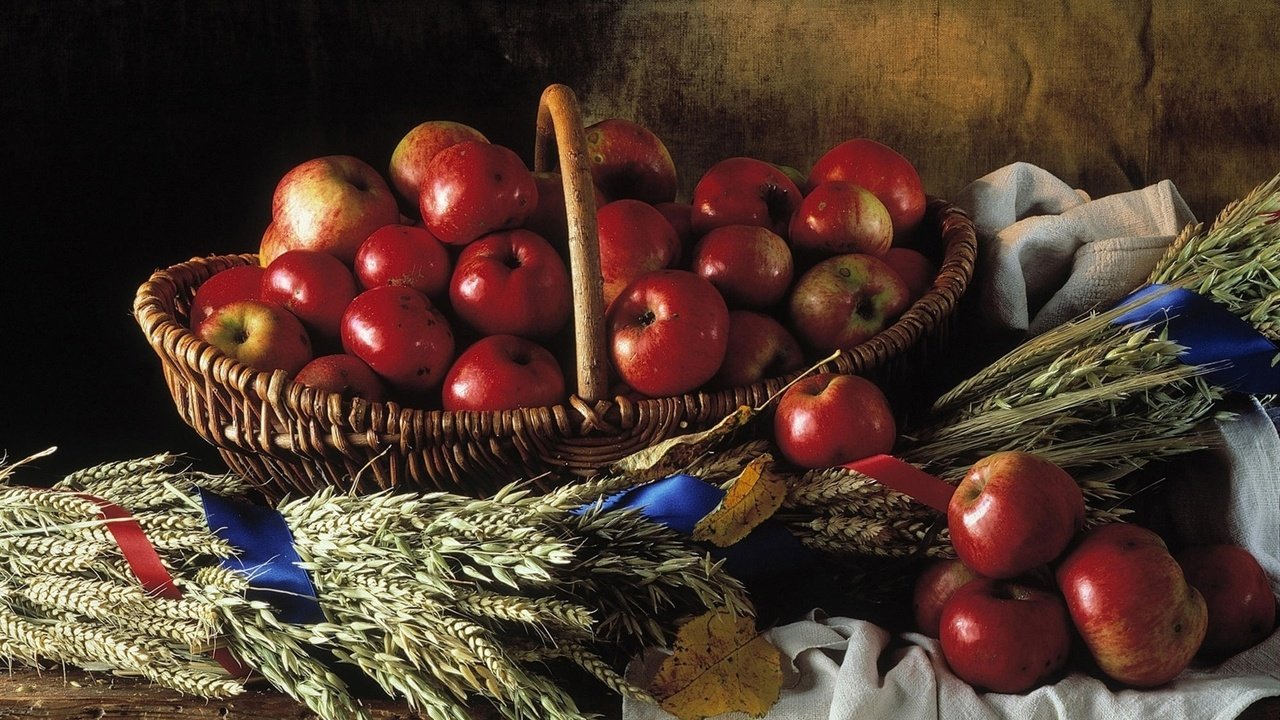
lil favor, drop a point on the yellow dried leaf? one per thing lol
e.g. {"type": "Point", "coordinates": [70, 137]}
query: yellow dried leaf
{"type": "Point", "coordinates": [675, 454]}
{"type": "Point", "coordinates": [719, 664]}
{"type": "Point", "coordinates": [755, 495]}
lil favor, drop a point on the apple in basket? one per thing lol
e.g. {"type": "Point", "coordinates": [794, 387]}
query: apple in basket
{"type": "Point", "coordinates": [315, 286]}
{"type": "Point", "coordinates": [472, 188]}
{"type": "Point", "coordinates": [751, 266]}
{"type": "Point", "coordinates": [759, 347]}
{"type": "Point", "coordinates": [680, 215]}
{"type": "Point", "coordinates": [667, 332]}
{"type": "Point", "coordinates": [880, 169]}
{"type": "Point", "coordinates": [342, 374]}
{"type": "Point", "coordinates": [404, 255]}
{"type": "Point", "coordinates": [330, 204]}
{"type": "Point", "coordinates": [628, 160]}
{"type": "Point", "coordinates": [512, 283]}
{"type": "Point", "coordinates": [634, 239]}
{"type": "Point", "coordinates": [831, 419]}
{"type": "Point", "coordinates": [241, 282]}
{"type": "Point", "coordinates": [1131, 604]}
{"type": "Point", "coordinates": [1241, 605]}
{"type": "Point", "coordinates": [935, 584]}
{"type": "Point", "coordinates": [840, 217]}
{"type": "Point", "coordinates": [845, 300]}
{"type": "Point", "coordinates": [915, 269]}
{"type": "Point", "coordinates": [1005, 636]}
{"type": "Point", "coordinates": [503, 372]}
{"type": "Point", "coordinates": [744, 191]}
{"type": "Point", "coordinates": [259, 334]}
{"type": "Point", "coordinates": [415, 150]}
{"type": "Point", "coordinates": [1013, 512]}
{"type": "Point", "coordinates": [402, 336]}
{"type": "Point", "coordinates": [550, 218]}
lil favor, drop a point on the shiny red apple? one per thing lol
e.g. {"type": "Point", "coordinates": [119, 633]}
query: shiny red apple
{"type": "Point", "coordinates": [241, 282]}
{"type": "Point", "coordinates": [415, 150]}
{"type": "Point", "coordinates": [259, 334]}
{"type": "Point", "coordinates": [830, 419]}
{"type": "Point", "coordinates": [472, 188]}
{"type": "Point", "coordinates": [759, 347]}
{"type": "Point", "coordinates": [1237, 593]}
{"type": "Point", "coordinates": [316, 287]}
{"type": "Point", "coordinates": [935, 584]}
{"type": "Point", "coordinates": [667, 332]}
{"type": "Point", "coordinates": [514, 283]}
{"type": "Point", "coordinates": [744, 191]}
{"type": "Point", "coordinates": [880, 169]}
{"type": "Point", "coordinates": [402, 336]}
{"type": "Point", "coordinates": [628, 160]}
{"type": "Point", "coordinates": [844, 301]}
{"type": "Point", "coordinates": [839, 217]}
{"type": "Point", "coordinates": [634, 239]}
{"type": "Point", "coordinates": [751, 266]}
{"type": "Point", "coordinates": [503, 372]}
{"type": "Point", "coordinates": [407, 256]}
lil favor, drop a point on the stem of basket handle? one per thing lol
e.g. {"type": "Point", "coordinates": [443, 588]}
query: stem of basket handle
{"type": "Point", "coordinates": [560, 120]}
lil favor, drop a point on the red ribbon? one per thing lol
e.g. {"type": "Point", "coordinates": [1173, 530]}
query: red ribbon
{"type": "Point", "coordinates": [905, 478]}
{"type": "Point", "coordinates": [145, 563]}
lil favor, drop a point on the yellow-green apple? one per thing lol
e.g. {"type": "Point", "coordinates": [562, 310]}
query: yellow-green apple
{"type": "Point", "coordinates": [550, 218]}
{"type": "Point", "coordinates": [1131, 604]}
{"type": "Point", "coordinates": [1005, 636]}
{"type": "Point", "coordinates": [331, 204]}
{"type": "Point", "coordinates": [634, 239]}
{"type": "Point", "coordinates": [667, 331]}
{"type": "Point", "coordinates": [845, 300]}
{"type": "Point", "coordinates": [628, 160]}
{"type": "Point", "coordinates": [680, 215]}
{"type": "Point", "coordinates": [840, 217]}
{"type": "Point", "coordinates": [259, 334]}
{"type": "Point", "coordinates": [933, 587]}
{"type": "Point", "coordinates": [404, 255]}
{"type": "Point", "coordinates": [744, 191]}
{"type": "Point", "coordinates": [830, 419]}
{"type": "Point", "coordinates": [241, 282]}
{"type": "Point", "coordinates": [914, 267]}
{"type": "Point", "coordinates": [415, 150]}
{"type": "Point", "coordinates": [880, 169]}
{"type": "Point", "coordinates": [402, 336]}
{"type": "Point", "coordinates": [511, 283]}
{"type": "Point", "coordinates": [316, 287]}
{"type": "Point", "coordinates": [472, 188]}
{"type": "Point", "coordinates": [759, 347]}
{"type": "Point", "coordinates": [1241, 604]}
{"type": "Point", "coordinates": [751, 266]}
{"type": "Point", "coordinates": [342, 374]}
{"type": "Point", "coordinates": [1012, 512]}
{"type": "Point", "coordinates": [503, 372]}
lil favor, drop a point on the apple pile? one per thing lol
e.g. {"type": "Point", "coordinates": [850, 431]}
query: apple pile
{"type": "Point", "coordinates": [1028, 581]}
{"type": "Point", "coordinates": [446, 284]}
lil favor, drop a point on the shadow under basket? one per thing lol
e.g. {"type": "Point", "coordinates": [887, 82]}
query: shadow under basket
{"type": "Point", "coordinates": [292, 439]}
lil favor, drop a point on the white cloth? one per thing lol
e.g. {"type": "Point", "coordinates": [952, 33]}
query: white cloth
{"type": "Point", "coordinates": [1053, 254]}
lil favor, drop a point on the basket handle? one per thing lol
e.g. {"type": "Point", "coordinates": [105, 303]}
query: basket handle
{"type": "Point", "coordinates": [560, 121]}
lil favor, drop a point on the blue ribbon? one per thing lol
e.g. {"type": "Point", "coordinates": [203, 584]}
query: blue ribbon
{"type": "Point", "coordinates": [1239, 357]}
{"type": "Point", "coordinates": [266, 556]}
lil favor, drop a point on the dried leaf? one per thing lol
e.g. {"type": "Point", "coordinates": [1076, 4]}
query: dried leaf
{"type": "Point", "coordinates": [719, 664]}
{"type": "Point", "coordinates": [675, 454]}
{"type": "Point", "coordinates": [755, 495]}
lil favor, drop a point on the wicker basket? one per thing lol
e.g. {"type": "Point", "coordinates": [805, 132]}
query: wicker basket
{"type": "Point", "coordinates": [289, 438]}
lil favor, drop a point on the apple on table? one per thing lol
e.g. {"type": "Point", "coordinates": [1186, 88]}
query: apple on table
{"type": "Point", "coordinates": [512, 283]}
{"type": "Point", "coordinates": [831, 419]}
{"type": "Point", "coordinates": [503, 372]}
{"type": "Point", "coordinates": [259, 334]}
{"type": "Point", "coordinates": [1237, 594]}
{"type": "Point", "coordinates": [330, 204]}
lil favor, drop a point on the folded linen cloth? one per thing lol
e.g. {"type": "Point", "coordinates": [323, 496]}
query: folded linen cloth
{"type": "Point", "coordinates": [1051, 253]}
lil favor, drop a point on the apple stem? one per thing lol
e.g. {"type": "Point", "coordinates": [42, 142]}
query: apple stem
{"type": "Point", "coordinates": [797, 378]}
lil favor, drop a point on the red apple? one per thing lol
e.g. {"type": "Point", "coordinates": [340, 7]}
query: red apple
{"type": "Point", "coordinates": [259, 334]}
{"type": "Point", "coordinates": [503, 372]}
{"type": "Point", "coordinates": [839, 217]}
{"type": "Point", "coordinates": [797, 177]}
{"type": "Point", "coordinates": [315, 286]}
{"type": "Point", "coordinates": [342, 374]}
{"type": "Point", "coordinates": [744, 191]}
{"type": "Point", "coordinates": [402, 336]}
{"type": "Point", "coordinates": [1241, 604]}
{"type": "Point", "coordinates": [668, 332]}
{"type": "Point", "coordinates": [915, 269]}
{"type": "Point", "coordinates": [680, 215]}
{"type": "Point", "coordinates": [628, 160]}
{"type": "Point", "coordinates": [1131, 604]}
{"type": "Point", "coordinates": [271, 245]}
{"type": "Point", "coordinates": [634, 239]}
{"type": "Point", "coordinates": [935, 584]}
{"type": "Point", "coordinates": [416, 149]}
{"type": "Point", "coordinates": [404, 255]}
{"type": "Point", "coordinates": [759, 348]}
{"type": "Point", "coordinates": [845, 300]}
{"type": "Point", "coordinates": [1013, 512]}
{"type": "Point", "coordinates": [331, 204]}
{"type": "Point", "coordinates": [1003, 636]}
{"type": "Point", "coordinates": [512, 283]}
{"type": "Point", "coordinates": [751, 266]}
{"type": "Point", "coordinates": [550, 218]}
{"type": "Point", "coordinates": [241, 282]}
{"type": "Point", "coordinates": [472, 188]}
{"type": "Point", "coordinates": [831, 419]}
{"type": "Point", "coordinates": [880, 169]}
